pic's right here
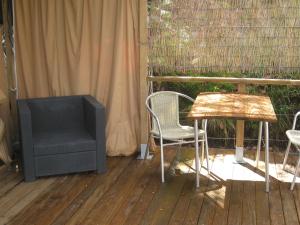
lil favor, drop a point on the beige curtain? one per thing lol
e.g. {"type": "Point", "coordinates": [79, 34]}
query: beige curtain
{"type": "Point", "coordinates": [67, 47]}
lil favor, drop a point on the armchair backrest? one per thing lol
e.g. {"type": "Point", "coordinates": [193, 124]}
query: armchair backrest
{"type": "Point", "coordinates": [165, 107]}
{"type": "Point", "coordinates": [56, 113]}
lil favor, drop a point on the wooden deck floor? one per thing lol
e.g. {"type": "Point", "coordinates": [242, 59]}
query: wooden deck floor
{"type": "Point", "coordinates": [131, 193]}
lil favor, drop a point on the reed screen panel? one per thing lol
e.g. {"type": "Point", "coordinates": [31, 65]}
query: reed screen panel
{"type": "Point", "coordinates": [224, 35]}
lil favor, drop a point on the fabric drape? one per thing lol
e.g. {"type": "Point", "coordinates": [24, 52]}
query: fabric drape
{"type": "Point", "coordinates": [75, 47]}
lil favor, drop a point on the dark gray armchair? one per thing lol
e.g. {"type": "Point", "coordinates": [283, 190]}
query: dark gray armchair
{"type": "Point", "coordinates": [61, 135]}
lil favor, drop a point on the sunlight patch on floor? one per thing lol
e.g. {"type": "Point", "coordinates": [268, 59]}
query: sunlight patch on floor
{"type": "Point", "coordinates": [217, 195]}
{"type": "Point", "coordinates": [224, 168]}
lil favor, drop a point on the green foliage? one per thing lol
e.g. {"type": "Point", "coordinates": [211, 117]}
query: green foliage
{"type": "Point", "coordinates": [286, 102]}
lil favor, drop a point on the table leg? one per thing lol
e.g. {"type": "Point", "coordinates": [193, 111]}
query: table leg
{"type": "Point", "coordinates": [202, 152]}
{"type": "Point", "coordinates": [267, 157]}
{"type": "Point", "coordinates": [203, 143]}
{"type": "Point", "coordinates": [259, 143]}
{"type": "Point", "coordinates": [239, 148]}
{"type": "Point", "coordinates": [240, 131]}
{"type": "Point", "coordinates": [196, 152]}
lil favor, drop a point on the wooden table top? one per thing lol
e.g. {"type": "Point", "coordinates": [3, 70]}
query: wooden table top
{"type": "Point", "coordinates": [233, 105]}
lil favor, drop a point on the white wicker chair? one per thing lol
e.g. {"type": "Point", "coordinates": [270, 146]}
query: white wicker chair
{"type": "Point", "coordinates": [164, 109]}
{"type": "Point", "coordinates": [294, 138]}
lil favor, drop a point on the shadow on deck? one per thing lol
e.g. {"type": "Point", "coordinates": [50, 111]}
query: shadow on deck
{"type": "Point", "coordinates": [131, 193]}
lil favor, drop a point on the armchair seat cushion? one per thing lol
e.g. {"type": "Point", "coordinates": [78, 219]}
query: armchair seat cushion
{"type": "Point", "coordinates": [63, 141]}
{"type": "Point", "coordinates": [178, 133]}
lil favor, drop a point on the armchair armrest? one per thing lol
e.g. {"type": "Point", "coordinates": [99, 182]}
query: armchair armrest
{"type": "Point", "coordinates": [94, 115]}
{"type": "Point", "coordinates": [95, 124]}
{"type": "Point", "coordinates": [295, 120]}
{"type": "Point", "coordinates": [26, 140]}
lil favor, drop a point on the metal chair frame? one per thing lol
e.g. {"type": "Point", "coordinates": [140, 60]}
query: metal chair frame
{"type": "Point", "coordinates": [156, 120]}
{"type": "Point", "coordinates": [288, 150]}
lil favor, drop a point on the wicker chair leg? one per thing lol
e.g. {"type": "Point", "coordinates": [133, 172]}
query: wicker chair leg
{"type": "Point", "coordinates": [286, 155]}
{"type": "Point", "coordinates": [162, 161]}
{"type": "Point", "coordinates": [296, 173]}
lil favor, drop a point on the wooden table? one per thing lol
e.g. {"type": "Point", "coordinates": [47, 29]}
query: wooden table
{"type": "Point", "coordinates": [234, 106]}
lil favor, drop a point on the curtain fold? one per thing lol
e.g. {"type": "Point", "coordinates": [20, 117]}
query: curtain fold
{"type": "Point", "coordinates": [83, 47]}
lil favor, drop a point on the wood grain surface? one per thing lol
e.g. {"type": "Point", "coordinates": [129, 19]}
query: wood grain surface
{"type": "Point", "coordinates": [131, 193]}
{"type": "Point", "coordinates": [233, 105]}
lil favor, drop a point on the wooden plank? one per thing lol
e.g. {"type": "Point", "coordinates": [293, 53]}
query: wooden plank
{"type": "Point", "coordinates": [249, 201]}
{"type": "Point", "coordinates": [296, 191]}
{"type": "Point", "coordinates": [188, 192]}
{"type": "Point", "coordinates": [236, 200]}
{"type": "Point", "coordinates": [105, 209]}
{"type": "Point", "coordinates": [108, 205]}
{"type": "Point", "coordinates": [69, 203]}
{"type": "Point", "coordinates": [3, 169]}
{"type": "Point", "coordinates": [262, 203]}
{"type": "Point", "coordinates": [82, 204]}
{"type": "Point", "coordinates": [182, 205]}
{"type": "Point", "coordinates": [144, 200]}
{"type": "Point", "coordinates": [17, 194]}
{"type": "Point", "coordinates": [26, 200]}
{"type": "Point", "coordinates": [128, 204]}
{"type": "Point", "coordinates": [248, 197]}
{"type": "Point", "coordinates": [38, 205]}
{"type": "Point", "coordinates": [10, 182]}
{"type": "Point", "coordinates": [135, 216]}
{"type": "Point", "coordinates": [5, 172]}
{"type": "Point", "coordinates": [210, 201]}
{"type": "Point", "coordinates": [207, 211]}
{"type": "Point", "coordinates": [224, 170]}
{"type": "Point", "coordinates": [19, 197]}
{"type": "Point", "coordinates": [89, 204]}
{"type": "Point", "coordinates": [231, 80]}
{"type": "Point", "coordinates": [235, 208]}
{"type": "Point", "coordinates": [287, 176]}
{"type": "Point", "coordinates": [287, 198]}
{"type": "Point", "coordinates": [161, 208]}
{"type": "Point", "coordinates": [132, 199]}
{"type": "Point", "coordinates": [45, 209]}
{"type": "Point", "coordinates": [275, 203]}
{"type": "Point", "coordinates": [213, 105]}
{"type": "Point", "coordinates": [296, 194]}
{"type": "Point", "coordinates": [6, 176]}
{"type": "Point", "coordinates": [193, 213]}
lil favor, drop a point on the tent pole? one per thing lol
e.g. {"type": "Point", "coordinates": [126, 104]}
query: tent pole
{"type": "Point", "coordinates": [10, 68]}
{"type": "Point", "coordinates": [143, 70]}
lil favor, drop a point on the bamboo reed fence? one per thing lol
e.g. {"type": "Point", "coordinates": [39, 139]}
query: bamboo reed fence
{"type": "Point", "coordinates": [224, 36]}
